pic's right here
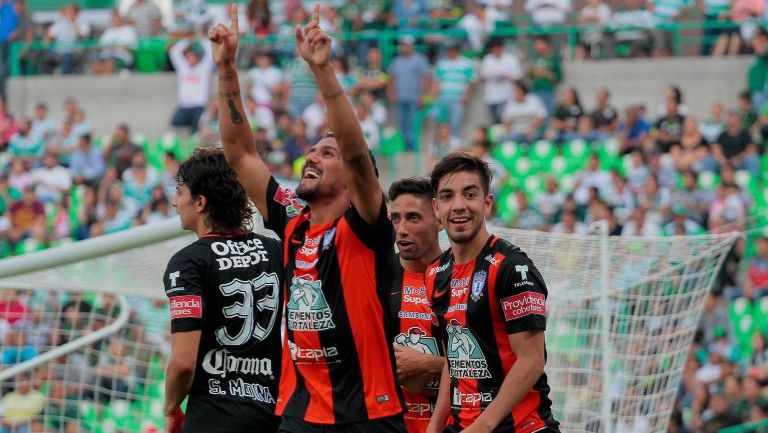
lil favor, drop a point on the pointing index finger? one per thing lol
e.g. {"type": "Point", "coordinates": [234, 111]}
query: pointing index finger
{"type": "Point", "coordinates": [233, 18]}
{"type": "Point", "coordinates": [316, 15]}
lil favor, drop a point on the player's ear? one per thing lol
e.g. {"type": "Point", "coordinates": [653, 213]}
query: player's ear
{"type": "Point", "coordinates": [488, 204]}
{"type": "Point", "coordinates": [200, 203]}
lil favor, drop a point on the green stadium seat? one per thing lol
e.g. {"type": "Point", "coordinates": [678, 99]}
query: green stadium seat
{"type": "Point", "coordinates": [558, 165]}
{"type": "Point", "coordinates": [507, 153]}
{"type": "Point", "coordinates": [741, 314]}
{"type": "Point", "coordinates": [567, 182]}
{"type": "Point", "coordinates": [523, 167]}
{"type": "Point", "coordinates": [761, 314]}
{"type": "Point", "coordinates": [533, 186]}
{"type": "Point", "coordinates": [709, 180]}
{"type": "Point", "coordinates": [542, 150]}
{"type": "Point", "coordinates": [392, 142]}
{"type": "Point", "coordinates": [150, 55]}
{"type": "Point", "coordinates": [495, 132]}
{"type": "Point", "coordinates": [577, 150]}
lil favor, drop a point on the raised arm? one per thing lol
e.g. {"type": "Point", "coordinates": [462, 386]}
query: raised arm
{"type": "Point", "coordinates": [235, 130]}
{"type": "Point", "coordinates": [359, 174]}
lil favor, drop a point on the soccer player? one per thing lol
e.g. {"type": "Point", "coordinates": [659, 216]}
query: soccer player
{"type": "Point", "coordinates": [491, 300]}
{"type": "Point", "coordinates": [419, 361]}
{"type": "Point", "coordinates": [224, 295]}
{"type": "Point", "coordinates": [339, 374]}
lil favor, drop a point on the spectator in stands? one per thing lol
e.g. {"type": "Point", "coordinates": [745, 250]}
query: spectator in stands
{"type": "Point", "coordinates": [16, 349]}
{"type": "Point", "coordinates": [666, 12]}
{"type": "Point", "coordinates": [747, 115]}
{"type": "Point", "coordinates": [632, 28]}
{"type": "Point", "coordinates": [550, 200]}
{"type": "Point", "coordinates": [637, 172]}
{"type": "Point", "coordinates": [594, 17]}
{"type": "Point", "coordinates": [544, 71]}
{"type": "Point", "coordinates": [300, 88]}
{"type": "Point", "coordinates": [548, 13]}
{"type": "Point", "coordinates": [715, 124]}
{"type": "Point", "coordinates": [605, 118]}
{"type": "Point", "coordinates": [24, 144]}
{"type": "Point", "coordinates": [744, 12]}
{"type": "Point", "coordinates": [42, 125]}
{"type": "Point", "coordinates": [9, 22]}
{"type": "Point", "coordinates": [145, 16]}
{"type": "Point", "coordinates": [119, 151]}
{"type": "Point", "coordinates": [53, 180]}
{"type": "Point", "coordinates": [371, 77]}
{"type": "Point", "coordinates": [265, 84]}
{"type": "Point", "coordinates": [479, 22]}
{"type": "Point", "coordinates": [716, 37]}
{"type": "Point", "coordinates": [668, 128]}
{"type": "Point", "coordinates": [693, 151]}
{"type": "Point", "coordinates": [21, 405]}
{"type": "Point", "coordinates": [727, 209]}
{"type": "Point", "coordinates": [524, 115]}
{"type": "Point", "coordinates": [193, 81]}
{"type": "Point", "coordinates": [8, 195]}
{"type": "Point", "coordinates": [117, 44]}
{"type": "Point", "coordinates": [116, 372]}
{"type": "Point", "coordinates": [757, 78]}
{"type": "Point", "coordinates": [445, 143]}
{"type": "Point", "coordinates": [409, 14]}
{"type": "Point", "coordinates": [499, 175]}
{"type": "Point", "coordinates": [735, 146]}
{"type": "Point", "coordinates": [569, 224]}
{"type": "Point", "coordinates": [633, 132]}
{"type": "Point", "coordinates": [641, 225]}
{"type": "Point", "coordinates": [409, 72]}
{"type": "Point", "coordinates": [527, 218]}
{"type": "Point", "coordinates": [566, 117]}
{"type": "Point", "coordinates": [499, 71]}
{"type": "Point", "coordinates": [68, 28]}
{"type": "Point", "coordinates": [259, 17]}
{"type": "Point", "coordinates": [756, 280]}
{"type": "Point", "coordinates": [27, 216]}
{"type": "Point", "coordinates": [139, 180]}
{"type": "Point", "coordinates": [693, 199]}
{"type": "Point", "coordinates": [681, 224]}
{"type": "Point", "coordinates": [371, 130]}
{"type": "Point", "coordinates": [452, 87]}
{"type": "Point", "coordinates": [314, 116]}
{"type": "Point", "coordinates": [377, 109]}
{"type": "Point", "coordinates": [592, 176]}
{"type": "Point", "coordinates": [87, 165]}
{"type": "Point", "coordinates": [718, 416]}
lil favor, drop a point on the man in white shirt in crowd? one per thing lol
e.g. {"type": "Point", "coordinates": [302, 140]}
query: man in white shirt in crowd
{"type": "Point", "coordinates": [523, 115]}
{"type": "Point", "coordinates": [499, 71]}
{"type": "Point", "coordinates": [595, 177]}
{"type": "Point", "coordinates": [117, 45]}
{"type": "Point", "coordinates": [265, 81]}
{"type": "Point", "coordinates": [68, 28]}
{"type": "Point", "coordinates": [193, 82]}
{"type": "Point", "coordinates": [53, 181]}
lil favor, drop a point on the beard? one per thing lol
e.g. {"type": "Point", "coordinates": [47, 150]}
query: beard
{"type": "Point", "coordinates": [465, 236]}
{"type": "Point", "coordinates": [308, 193]}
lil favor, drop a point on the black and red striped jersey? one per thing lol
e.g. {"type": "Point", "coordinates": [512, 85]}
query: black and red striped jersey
{"type": "Point", "coordinates": [340, 364]}
{"type": "Point", "coordinates": [417, 327]}
{"type": "Point", "coordinates": [480, 303]}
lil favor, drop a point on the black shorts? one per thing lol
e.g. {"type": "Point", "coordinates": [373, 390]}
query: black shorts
{"type": "Point", "coordinates": [392, 424]}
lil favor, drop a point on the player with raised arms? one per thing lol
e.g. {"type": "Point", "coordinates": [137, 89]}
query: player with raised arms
{"type": "Point", "coordinates": [224, 292]}
{"type": "Point", "coordinates": [492, 301]}
{"type": "Point", "coordinates": [417, 351]}
{"type": "Point", "coordinates": [339, 375]}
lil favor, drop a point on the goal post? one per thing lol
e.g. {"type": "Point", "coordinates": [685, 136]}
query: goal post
{"type": "Point", "coordinates": [621, 316]}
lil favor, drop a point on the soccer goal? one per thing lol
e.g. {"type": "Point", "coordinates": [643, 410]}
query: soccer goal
{"type": "Point", "coordinates": [621, 317]}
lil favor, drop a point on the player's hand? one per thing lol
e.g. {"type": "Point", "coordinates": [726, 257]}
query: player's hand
{"type": "Point", "coordinates": [409, 368]}
{"type": "Point", "coordinates": [224, 39]}
{"type": "Point", "coordinates": [314, 44]}
{"type": "Point", "coordinates": [174, 422]}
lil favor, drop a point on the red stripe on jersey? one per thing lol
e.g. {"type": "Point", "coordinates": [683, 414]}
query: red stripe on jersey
{"type": "Point", "coordinates": [365, 314]}
{"type": "Point", "coordinates": [525, 415]}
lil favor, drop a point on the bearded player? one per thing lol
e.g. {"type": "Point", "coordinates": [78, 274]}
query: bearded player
{"type": "Point", "coordinates": [340, 375]}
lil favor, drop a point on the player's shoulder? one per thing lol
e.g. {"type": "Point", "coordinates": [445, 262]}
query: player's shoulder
{"type": "Point", "coordinates": [195, 251]}
{"type": "Point", "coordinates": [440, 264]}
{"type": "Point", "coordinates": [504, 252]}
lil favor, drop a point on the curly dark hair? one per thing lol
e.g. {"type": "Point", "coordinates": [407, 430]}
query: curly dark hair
{"type": "Point", "coordinates": [207, 173]}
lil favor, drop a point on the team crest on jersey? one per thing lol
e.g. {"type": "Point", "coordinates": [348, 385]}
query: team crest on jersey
{"type": "Point", "coordinates": [478, 285]}
{"type": "Point", "coordinates": [465, 358]}
{"type": "Point", "coordinates": [308, 309]}
{"type": "Point", "coordinates": [288, 199]}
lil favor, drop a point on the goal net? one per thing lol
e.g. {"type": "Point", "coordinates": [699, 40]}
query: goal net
{"type": "Point", "coordinates": [92, 344]}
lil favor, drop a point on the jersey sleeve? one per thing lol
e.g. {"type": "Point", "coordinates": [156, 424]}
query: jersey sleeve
{"type": "Point", "coordinates": [378, 236]}
{"type": "Point", "coordinates": [183, 282]}
{"type": "Point", "coordinates": [282, 205]}
{"type": "Point", "coordinates": [521, 295]}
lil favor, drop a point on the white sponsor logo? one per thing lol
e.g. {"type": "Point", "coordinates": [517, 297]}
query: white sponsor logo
{"type": "Point", "coordinates": [414, 315]}
{"type": "Point", "coordinates": [219, 362]}
{"type": "Point", "coordinates": [440, 268]}
{"type": "Point", "coordinates": [239, 254]}
{"type": "Point", "coordinates": [523, 269]}
{"type": "Point", "coordinates": [173, 276]}
{"type": "Point", "coordinates": [254, 391]}
{"type": "Point", "coordinates": [457, 307]}
{"type": "Point", "coordinates": [420, 409]}
{"type": "Point", "coordinates": [470, 398]}
{"type": "Point", "coordinates": [313, 355]}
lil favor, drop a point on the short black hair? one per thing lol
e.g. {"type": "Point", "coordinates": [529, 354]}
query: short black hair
{"type": "Point", "coordinates": [329, 134]}
{"type": "Point", "coordinates": [207, 173]}
{"type": "Point", "coordinates": [419, 186]}
{"type": "Point", "coordinates": [461, 161]}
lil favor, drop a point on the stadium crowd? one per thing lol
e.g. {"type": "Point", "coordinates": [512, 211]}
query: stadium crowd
{"type": "Point", "coordinates": [654, 170]}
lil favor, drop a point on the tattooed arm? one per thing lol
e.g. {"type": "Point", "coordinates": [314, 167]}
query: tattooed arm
{"type": "Point", "coordinates": [236, 134]}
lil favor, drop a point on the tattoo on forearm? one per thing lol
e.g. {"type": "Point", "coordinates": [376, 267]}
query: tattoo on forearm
{"type": "Point", "coordinates": [333, 95]}
{"type": "Point", "coordinates": [234, 115]}
{"type": "Point", "coordinates": [232, 94]}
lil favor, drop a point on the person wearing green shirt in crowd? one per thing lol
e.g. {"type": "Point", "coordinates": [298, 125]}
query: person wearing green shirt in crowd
{"type": "Point", "coordinates": [8, 194]}
{"type": "Point", "coordinates": [455, 80]}
{"type": "Point", "coordinates": [758, 72]}
{"type": "Point", "coordinates": [545, 72]}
